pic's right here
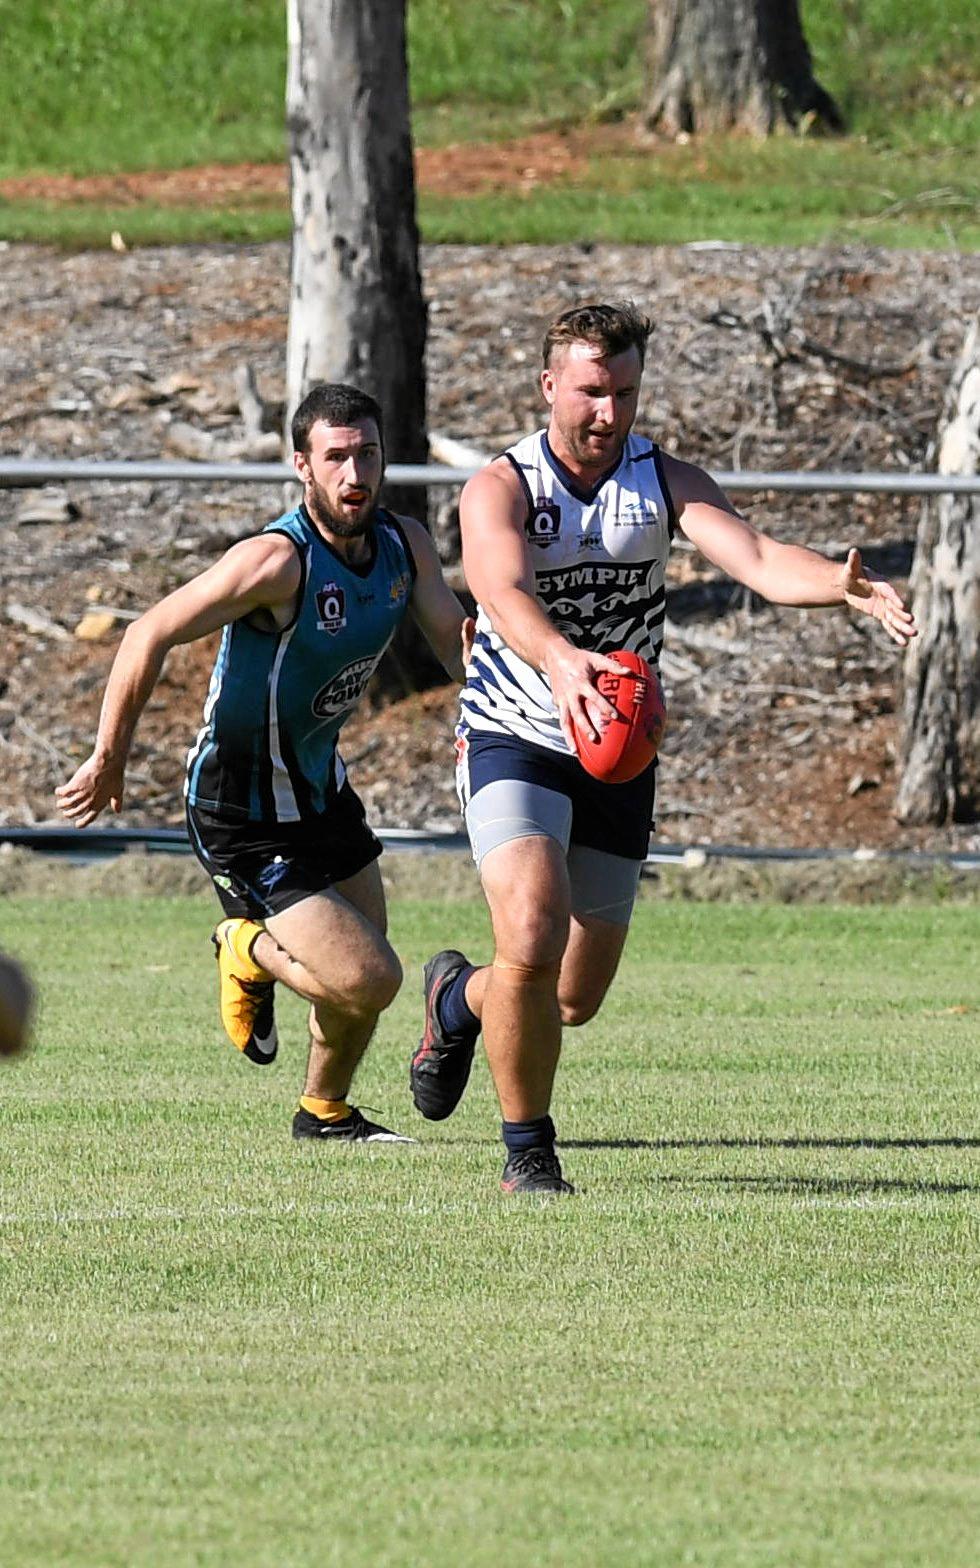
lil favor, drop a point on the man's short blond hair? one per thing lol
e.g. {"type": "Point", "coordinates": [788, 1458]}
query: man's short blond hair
{"type": "Point", "coordinates": [612, 329]}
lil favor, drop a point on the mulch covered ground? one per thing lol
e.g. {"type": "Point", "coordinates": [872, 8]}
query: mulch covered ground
{"type": "Point", "coordinates": [784, 726]}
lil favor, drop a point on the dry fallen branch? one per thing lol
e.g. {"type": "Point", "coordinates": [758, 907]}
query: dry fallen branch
{"type": "Point", "coordinates": [37, 739]}
{"type": "Point", "coordinates": [37, 622]}
{"type": "Point", "coordinates": [708, 642]}
{"type": "Point", "coordinates": [789, 342]}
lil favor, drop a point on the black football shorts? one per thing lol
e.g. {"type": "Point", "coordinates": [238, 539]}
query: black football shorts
{"type": "Point", "coordinates": [261, 868]}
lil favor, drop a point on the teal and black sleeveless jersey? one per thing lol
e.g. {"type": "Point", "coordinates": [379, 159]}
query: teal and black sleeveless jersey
{"type": "Point", "coordinates": [268, 749]}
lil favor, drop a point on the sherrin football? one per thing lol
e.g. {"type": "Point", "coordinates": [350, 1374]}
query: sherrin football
{"type": "Point", "coordinates": [16, 1003]}
{"type": "Point", "coordinates": [631, 740]}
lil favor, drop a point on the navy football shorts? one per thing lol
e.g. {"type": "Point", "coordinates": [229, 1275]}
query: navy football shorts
{"type": "Point", "coordinates": [511, 789]}
{"type": "Point", "coordinates": [261, 868]}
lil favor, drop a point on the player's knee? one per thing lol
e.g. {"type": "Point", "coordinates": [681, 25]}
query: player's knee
{"type": "Point", "coordinates": [534, 937]}
{"type": "Point", "coordinates": [394, 974]}
{"type": "Point", "coordinates": [576, 1010]}
{"type": "Point", "coordinates": [515, 973]}
{"type": "Point", "coordinates": [375, 983]}
{"type": "Point", "coordinates": [367, 985]}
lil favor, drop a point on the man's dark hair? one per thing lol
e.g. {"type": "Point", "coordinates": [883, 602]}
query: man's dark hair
{"type": "Point", "coordinates": [612, 329]}
{"type": "Point", "coordinates": [335, 404]}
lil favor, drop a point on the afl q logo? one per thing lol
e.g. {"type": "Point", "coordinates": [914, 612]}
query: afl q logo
{"type": "Point", "coordinates": [331, 611]}
{"type": "Point", "coordinates": [544, 523]}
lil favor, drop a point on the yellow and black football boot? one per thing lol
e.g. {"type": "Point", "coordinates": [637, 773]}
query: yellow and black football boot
{"type": "Point", "coordinates": [246, 992]}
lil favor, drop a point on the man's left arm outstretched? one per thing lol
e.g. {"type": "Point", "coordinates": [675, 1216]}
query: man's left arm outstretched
{"type": "Point", "coordinates": [788, 574]}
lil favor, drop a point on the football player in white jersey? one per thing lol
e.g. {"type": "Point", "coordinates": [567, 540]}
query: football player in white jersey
{"type": "Point", "coordinates": [564, 547]}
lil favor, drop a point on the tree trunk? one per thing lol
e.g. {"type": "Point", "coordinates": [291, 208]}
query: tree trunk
{"type": "Point", "coordinates": [356, 311]}
{"type": "Point", "coordinates": [731, 65]}
{"type": "Point", "coordinates": [941, 742]}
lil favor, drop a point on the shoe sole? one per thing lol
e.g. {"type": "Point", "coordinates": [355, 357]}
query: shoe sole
{"type": "Point", "coordinates": [375, 1137]}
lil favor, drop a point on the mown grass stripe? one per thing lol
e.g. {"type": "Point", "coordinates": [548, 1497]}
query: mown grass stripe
{"type": "Point", "coordinates": [749, 1341]}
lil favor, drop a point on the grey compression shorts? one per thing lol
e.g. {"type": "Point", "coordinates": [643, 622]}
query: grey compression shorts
{"type": "Point", "coordinates": [603, 885]}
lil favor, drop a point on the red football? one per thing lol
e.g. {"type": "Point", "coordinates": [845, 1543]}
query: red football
{"type": "Point", "coordinates": [631, 740]}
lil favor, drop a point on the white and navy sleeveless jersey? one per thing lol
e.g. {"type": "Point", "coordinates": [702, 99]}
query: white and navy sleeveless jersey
{"type": "Point", "coordinates": [268, 749]}
{"type": "Point", "coordinates": [600, 559]}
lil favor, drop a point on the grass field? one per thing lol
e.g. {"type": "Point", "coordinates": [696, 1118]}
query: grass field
{"type": "Point", "coordinates": [98, 85]}
{"type": "Point", "coordinates": [750, 1340]}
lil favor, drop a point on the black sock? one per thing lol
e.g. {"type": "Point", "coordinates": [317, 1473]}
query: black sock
{"type": "Point", "coordinates": [455, 1013]}
{"type": "Point", "coordinates": [521, 1136]}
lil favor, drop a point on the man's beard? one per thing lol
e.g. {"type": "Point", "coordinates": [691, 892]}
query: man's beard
{"type": "Point", "coordinates": [344, 524]}
{"type": "Point", "coordinates": [577, 444]}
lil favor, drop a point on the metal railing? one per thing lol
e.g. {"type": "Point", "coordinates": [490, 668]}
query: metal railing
{"type": "Point", "coordinates": [98, 844]}
{"type": "Point", "coordinates": [25, 471]}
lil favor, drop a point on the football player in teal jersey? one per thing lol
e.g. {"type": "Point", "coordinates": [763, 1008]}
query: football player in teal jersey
{"type": "Point", "coordinates": [308, 607]}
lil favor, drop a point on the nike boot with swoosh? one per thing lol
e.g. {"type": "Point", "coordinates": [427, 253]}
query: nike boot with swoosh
{"type": "Point", "coordinates": [246, 992]}
{"type": "Point", "coordinates": [355, 1128]}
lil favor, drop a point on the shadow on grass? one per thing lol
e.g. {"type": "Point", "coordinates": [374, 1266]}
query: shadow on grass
{"type": "Point", "coordinates": [769, 1143]}
{"type": "Point", "coordinates": [812, 1185]}
{"type": "Point", "coordinates": [815, 1186]}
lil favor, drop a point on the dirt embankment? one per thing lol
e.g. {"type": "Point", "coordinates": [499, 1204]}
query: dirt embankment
{"type": "Point", "coordinates": [466, 169]}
